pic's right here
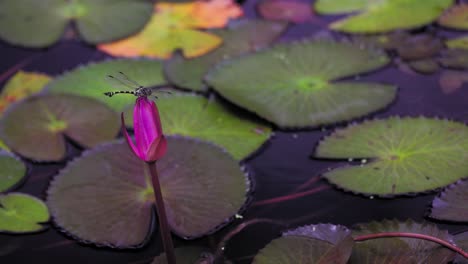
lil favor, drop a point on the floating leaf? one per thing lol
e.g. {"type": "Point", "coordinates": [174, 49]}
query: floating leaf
{"type": "Point", "coordinates": [380, 16]}
{"type": "Point", "coordinates": [21, 85]}
{"type": "Point", "coordinates": [454, 58]}
{"type": "Point", "coordinates": [452, 81]}
{"type": "Point", "coordinates": [313, 244]}
{"type": "Point", "coordinates": [462, 241]}
{"type": "Point", "coordinates": [452, 204]}
{"type": "Point", "coordinates": [424, 66]}
{"type": "Point", "coordinates": [400, 249]}
{"type": "Point", "coordinates": [22, 213]}
{"type": "Point", "coordinates": [90, 80]}
{"type": "Point", "coordinates": [409, 155]}
{"type": "Point", "coordinates": [457, 43]}
{"type": "Point", "coordinates": [42, 23]}
{"type": "Point", "coordinates": [419, 47]}
{"type": "Point", "coordinates": [195, 116]}
{"type": "Point", "coordinates": [173, 26]}
{"type": "Point", "coordinates": [106, 197]}
{"type": "Point", "coordinates": [35, 127]}
{"type": "Point", "coordinates": [184, 255]}
{"type": "Point", "coordinates": [388, 41]}
{"type": "Point", "coordinates": [240, 37]}
{"type": "Point", "coordinates": [285, 10]}
{"type": "Point", "coordinates": [12, 171]}
{"type": "Point", "coordinates": [456, 17]}
{"type": "Point", "coordinates": [292, 85]}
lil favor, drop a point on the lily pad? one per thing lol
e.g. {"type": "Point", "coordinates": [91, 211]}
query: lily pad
{"type": "Point", "coordinates": [195, 116]}
{"type": "Point", "coordinates": [35, 128]}
{"type": "Point", "coordinates": [41, 23]}
{"type": "Point", "coordinates": [240, 37]}
{"type": "Point", "coordinates": [408, 155]}
{"type": "Point", "coordinates": [400, 249]}
{"type": "Point", "coordinates": [456, 17]}
{"type": "Point", "coordinates": [458, 43]}
{"type": "Point", "coordinates": [452, 204]}
{"type": "Point", "coordinates": [105, 196]}
{"type": "Point", "coordinates": [174, 26]}
{"type": "Point", "coordinates": [91, 81]}
{"type": "Point", "coordinates": [22, 213]}
{"type": "Point", "coordinates": [380, 16]}
{"type": "Point", "coordinates": [419, 47]}
{"type": "Point", "coordinates": [285, 10]}
{"type": "Point", "coordinates": [313, 244]}
{"type": "Point", "coordinates": [12, 171]}
{"type": "Point", "coordinates": [293, 84]}
{"type": "Point", "coordinates": [184, 255]}
{"type": "Point", "coordinates": [454, 58]}
{"type": "Point", "coordinates": [462, 241]}
{"type": "Point", "coordinates": [451, 81]}
{"type": "Point", "coordinates": [21, 85]}
{"type": "Point", "coordinates": [424, 66]}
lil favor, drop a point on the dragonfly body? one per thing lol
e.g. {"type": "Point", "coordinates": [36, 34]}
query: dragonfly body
{"type": "Point", "coordinates": [138, 90]}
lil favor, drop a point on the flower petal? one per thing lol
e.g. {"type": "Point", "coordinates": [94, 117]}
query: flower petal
{"type": "Point", "coordinates": [129, 140]}
{"type": "Point", "coordinates": [157, 149]}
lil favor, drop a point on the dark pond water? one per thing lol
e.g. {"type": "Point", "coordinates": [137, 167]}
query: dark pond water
{"type": "Point", "coordinates": [278, 168]}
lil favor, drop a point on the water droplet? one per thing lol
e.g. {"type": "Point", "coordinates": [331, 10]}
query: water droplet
{"type": "Point", "coordinates": [295, 136]}
{"type": "Point", "coordinates": [364, 161]}
{"type": "Point", "coordinates": [350, 159]}
{"type": "Point", "coordinates": [371, 197]}
{"type": "Point", "coordinates": [238, 216]}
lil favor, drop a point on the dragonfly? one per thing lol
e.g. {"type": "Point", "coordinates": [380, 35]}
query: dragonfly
{"type": "Point", "coordinates": [137, 89]}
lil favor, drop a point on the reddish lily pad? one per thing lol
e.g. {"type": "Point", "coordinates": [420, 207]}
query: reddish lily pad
{"type": "Point", "coordinates": [42, 23]}
{"type": "Point", "coordinates": [462, 241]}
{"type": "Point", "coordinates": [21, 85]}
{"type": "Point", "coordinates": [380, 16]}
{"type": "Point", "coordinates": [285, 10]}
{"type": "Point", "coordinates": [403, 161]}
{"type": "Point", "coordinates": [174, 26]}
{"type": "Point", "coordinates": [35, 128]}
{"type": "Point", "coordinates": [451, 81]}
{"type": "Point", "coordinates": [296, 84]}
{"type": "Point", "coordinates": [22, 213]}
{"type": "Point", "coordinates": [320, 244]}
{"type": "Point", "coordinates": [240, 37]}
{"type": "Point", "coordinates": [105, 196]}
{"type": "Point", "coordinates": [186, 255]}
{"type": "Point", "coordinates": [456, 17]}
{"type": "Point", "coordinates": [12, 171]}
{"type": "Point", "coordinates": [452, 204]}
{"type": "Point", "coordinates": [91, 81]}
{"type": "Point", "coordinates": [400, 249]}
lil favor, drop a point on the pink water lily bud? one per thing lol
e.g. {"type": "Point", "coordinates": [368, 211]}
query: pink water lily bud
{"type": "Point", "coordinates": [150, 143]}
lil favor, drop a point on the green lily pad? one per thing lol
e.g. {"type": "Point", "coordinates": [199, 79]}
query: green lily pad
{"type": "Point", "coordinates": [380, 16]}
{"type": "Point", "coordinates": [456, 17]}
{"type": "Point", "coordinates": [91, 80]}
{"type": "Point", "coordinates": [408, 155]}
{"type": "Point", "coordinates": [313, 244]}
{"type": "Point", "coordinates": [452, 204]}
{"type": "Point", "coordinates": [41, 23]}
{"type": "Point", "coordinates": [195, 116]}
{"type": "Point", "coordinates": [35, 127]}
{"type": "Point", "coordinates": [12, 171]}
{"type": "Point", "coordinates": [462, 241]}
{"type": "Point", "coordinates": [293, 85]}
{"type": "Point", "coordinates": [185, 255]}
{"type": "Point", "coordinates": [240, 37]}
{"type": "Point", "coordinates": [105, 196]}
{"type": "Point", "coordinates": [400, 249]}
{"type": "Point", "coordinates": [457, 43]}
{"type": "Point", "coordinates": [22, 213]}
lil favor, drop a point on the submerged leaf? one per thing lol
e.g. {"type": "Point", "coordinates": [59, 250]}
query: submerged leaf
{"type": "Point", "coordinates": [400, 249]}
{"type": "Point", "coordinates": [454, 58]}
{"type": "Point", "coordinates": [33, 23]}
{"type": "Point", "coordinates": [452, 81]}
{"type": "Point", "coordinates": [21, 85]}
{"type": "Point", "coordinates": [173, 26]}
{"type": "Point", "coordinates": [312, 244]}
{"type": "Point", "coordinates": [240, 37]}
{"type": "Point", "coordinates": [35, 128]}
{"type": "Point", "coordinates": [12, 171]}
{"type": "Point", "coordinates": [419, 47]}
{"type": "Point", "coordinates": [293, 85]}
{"type": "Point", "coordinates": [105, 196]}
{"type": "Point", "coordinates": [91, 80]}
{"type": "Point", "coordinates": [456, 17]}
{"type": "Point", "coordinates": [22, 213]}
{"type": "Point", "coordinates": [195, 116]}
{"type": "Point", "coordinates": [409, 155]}
{"type": "Point", "coordinates": [424, 66]}
{"type": "Point", "coordinates": [382, 16]}
{"type": "Point", "coordinates": [285, 10]}
{"type": "Point", "coordinates": [452, 203]}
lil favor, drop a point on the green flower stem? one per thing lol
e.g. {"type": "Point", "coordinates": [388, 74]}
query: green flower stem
{"type": "Point", "coordinates": [414, 235]}
{"type": "Point", "coordinates": [163, 224]}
